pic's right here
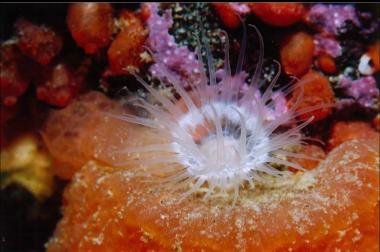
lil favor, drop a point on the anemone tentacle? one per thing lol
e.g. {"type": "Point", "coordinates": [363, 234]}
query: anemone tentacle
{"type": "Point", "coordinates": [225, 136]}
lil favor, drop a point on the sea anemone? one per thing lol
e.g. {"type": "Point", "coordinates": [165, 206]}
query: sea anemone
{"type": "Point", "coordinates": [222, 135]}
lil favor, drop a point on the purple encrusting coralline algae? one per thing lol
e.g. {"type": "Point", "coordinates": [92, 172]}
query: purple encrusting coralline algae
{"type": "Point", "coordinates": [330, 18]}
{"type": "Point", "coordinates": [327, 45]}
{"type": "Point", "coordinates": [363, 90]}
{"type": "Point", "coordinates": [167, 53]}
{"type": "Point", "coordinates": [240, 8]}
{"type": "Point", "coordinates": [183, 63]}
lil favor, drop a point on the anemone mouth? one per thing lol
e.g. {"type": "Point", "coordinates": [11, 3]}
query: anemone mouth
{"type": "Point", "coordinates": [224, 134]}
{"type": "Point", "coordinates": [222, 141]}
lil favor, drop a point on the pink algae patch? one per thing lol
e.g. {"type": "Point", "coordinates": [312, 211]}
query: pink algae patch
{"type": "Point", "coordinates": [82, 132]}
{"type": "Point", "coordinates": [334, 206]}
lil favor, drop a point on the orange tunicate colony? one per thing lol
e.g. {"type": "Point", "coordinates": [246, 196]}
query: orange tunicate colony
{"type": "Point", "coordinates": [313, 151]}
{"type": "Point", "coordinates": [40, 43]}
{"type": "Point", "coordinates": [296, 53]}
{"type": "Point", "coordinates": [334, 206]}
{"type": "Point", "coordinates": [343, 131]}
{"type": "Point", "coordinates": [327, 64]}
{"type": "Point", "coordinates": [126, 48]}
{"type": "Point", "coordinates": [373, 52]}
{"type": "Point", "coordinates": [81, 132]}
{"type": "Point", "coordinates": [278, 14]}
{"type": "Point", "coordinates": [228, 16]}
{"type": "Point", "coordinates": [91, 25]}
{"type": "Point", "coordinates": [15, 75]}
{"type": "Point", "coordinates": [317, 91]}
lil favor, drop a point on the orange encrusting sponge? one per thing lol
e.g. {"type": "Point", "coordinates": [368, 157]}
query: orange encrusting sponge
{"type": "Point", "coordinates": [335, 206]}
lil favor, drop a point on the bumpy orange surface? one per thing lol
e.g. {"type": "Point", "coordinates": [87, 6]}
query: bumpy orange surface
{"type": "Point", "coordinates": [278, 14]}
{"type": "Point", "coordinates": [125, 50]}
{"type": "Point", "coordinates": [333, 206]}
{"type": "Point", "coordinates": [313, 151]}
{"type": "Point", "coordinates": [296, 53]}
{"type": "Point", "coordinates": [373, 52]}
{"type": "Point", "coordinates": [82, 131]}
{"type": "Point", "coordinates": [39, 42]}
{"type": "Point", "coordinates": [317, 91]}
{"type": "Point", "coordinates": [343, 131]}
{"type": "Point", "coordinates": [90, 24]}
{"type": "Point", "coordinates": [228, 15]}
{"type": "Point", "coordinates": [327, 64]}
